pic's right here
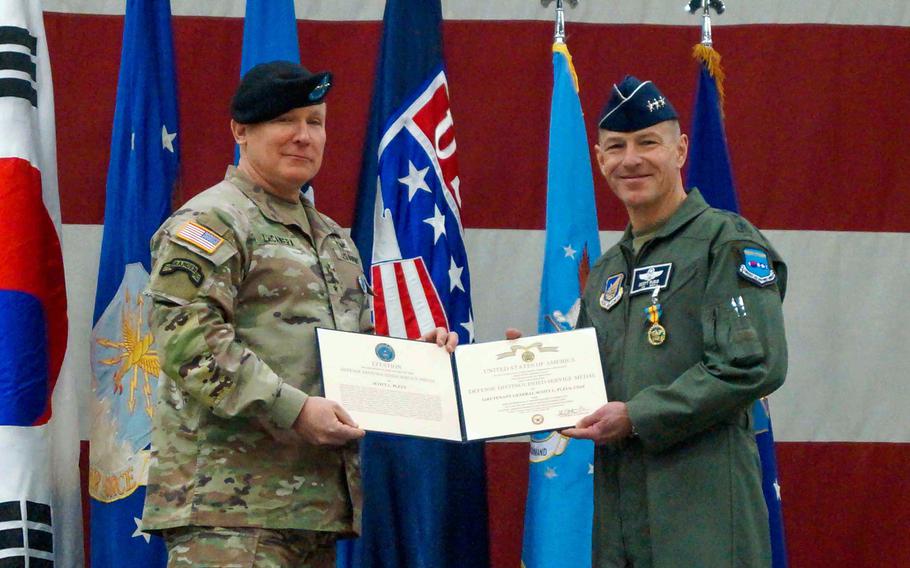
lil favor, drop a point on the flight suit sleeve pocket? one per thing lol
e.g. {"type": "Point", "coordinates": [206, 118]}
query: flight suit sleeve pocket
{"type": "Point", "coordinates": [738, 338]}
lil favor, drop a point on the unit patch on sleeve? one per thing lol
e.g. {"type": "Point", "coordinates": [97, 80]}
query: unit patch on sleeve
{"type": "Point", "coordinates": [756, 268]}
{"type": "Point", "coordinates": [193, 270]}
{"type": "Point", "coordinates": [650, 278]}
{"type": "Point", "coordinates": [199, 236]}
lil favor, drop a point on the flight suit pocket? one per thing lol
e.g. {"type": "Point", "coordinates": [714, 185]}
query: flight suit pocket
{"type": "Point", "coordinates": [738, 337]}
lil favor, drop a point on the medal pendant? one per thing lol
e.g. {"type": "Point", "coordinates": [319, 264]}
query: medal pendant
{"type": "Point", "coordinates": [657, 334]}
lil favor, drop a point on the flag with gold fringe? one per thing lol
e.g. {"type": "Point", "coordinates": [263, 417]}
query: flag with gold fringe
{"type": "Point", "coordinates": [711, 173]}
{"type": "Point", "coordinates": [560, 504]}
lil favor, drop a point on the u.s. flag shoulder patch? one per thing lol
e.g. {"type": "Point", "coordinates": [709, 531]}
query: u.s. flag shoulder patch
{"type": "Point", "coordinates": [199, 236]}
{"type": "Point", "coordinates": [756, 267]}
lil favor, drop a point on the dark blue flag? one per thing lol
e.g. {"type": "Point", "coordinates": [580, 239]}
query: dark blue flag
{"type": "Point", "coordinates": [711, 173]}
{"type": "Point", "coordinates": [141, 176]}
{"type": "Point", "coordinates": [424, 501]}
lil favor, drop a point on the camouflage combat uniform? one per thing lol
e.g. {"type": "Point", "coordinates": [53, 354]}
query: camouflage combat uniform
{"type": "Point", "coordinates": [240, 282]}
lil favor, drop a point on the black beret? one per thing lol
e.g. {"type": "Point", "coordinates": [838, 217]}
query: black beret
{"type": "Point", "coordinates": [635, 105]}
{"type": "Point", "coordinates": [271, 89]}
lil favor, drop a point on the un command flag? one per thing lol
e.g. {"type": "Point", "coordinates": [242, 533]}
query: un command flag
{"type": "Point", "coordinates": [424, 500]}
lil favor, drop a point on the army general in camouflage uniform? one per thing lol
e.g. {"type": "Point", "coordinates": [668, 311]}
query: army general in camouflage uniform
{"type": "Point", "coordinates": [687, 310]}
{"type": "Point", "coordinates": [251, 466]}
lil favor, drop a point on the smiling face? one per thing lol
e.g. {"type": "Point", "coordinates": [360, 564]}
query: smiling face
{"type": "Point", "coordinates": [285, 152]}
{"type": "Point", "coordinates": [643, 167]}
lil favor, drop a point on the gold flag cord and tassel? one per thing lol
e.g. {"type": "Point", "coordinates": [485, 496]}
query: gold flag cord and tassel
{"type": "Point", "coordinates": [707, 56]}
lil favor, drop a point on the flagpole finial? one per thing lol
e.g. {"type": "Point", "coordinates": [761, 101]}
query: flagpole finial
{"type": "Point", "coordinates": [705, 6]}
{"type": "Point", "coordinates": [559, 36]}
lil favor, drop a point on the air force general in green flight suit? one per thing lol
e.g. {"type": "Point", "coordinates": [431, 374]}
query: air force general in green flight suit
{"type": "Point", "coordinates": [687, 487]}
{"type": "Point", "coordinates": [687, 311]}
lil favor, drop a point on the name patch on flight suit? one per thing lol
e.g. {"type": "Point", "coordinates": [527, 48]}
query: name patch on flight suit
{"type": "Point", "coordinates": [650, 278]}
{"type": "Point", "coordinates": [756, 268]}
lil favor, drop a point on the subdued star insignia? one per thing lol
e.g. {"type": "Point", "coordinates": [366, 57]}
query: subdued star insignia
{"type": "Point", "coordinates": [138, 532]}
{"type": "Point", "coordinates": [550, 473]}
{"type": "Point", "coordinates": [167, 140]}
{"type": "Point", "coordinates": [590, 469]}
{"type": "Point", "coordinates": [570, 252]}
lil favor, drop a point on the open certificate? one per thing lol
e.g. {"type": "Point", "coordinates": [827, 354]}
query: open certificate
{"type": "Point", "coordinates": [482, 391]}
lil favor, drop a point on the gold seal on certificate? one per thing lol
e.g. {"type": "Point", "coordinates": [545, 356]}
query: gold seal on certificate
{"type": "Point", "coordinates": [482, 391]}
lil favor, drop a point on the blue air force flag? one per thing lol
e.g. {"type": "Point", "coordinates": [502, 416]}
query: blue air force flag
{"type": "Point", "coordinates": [141, 175]}
{"type": "Point", "coordinates": [560, 504]}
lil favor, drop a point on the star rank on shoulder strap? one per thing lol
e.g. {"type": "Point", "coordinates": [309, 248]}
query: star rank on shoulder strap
{"type": "Point", "coordinates": [199, 236]}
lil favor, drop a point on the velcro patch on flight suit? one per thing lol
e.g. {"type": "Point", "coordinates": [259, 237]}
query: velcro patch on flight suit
{"type": "Point", "coordinates": [647, 278]}
{"type": "Point", "coordinates": [756, 267]}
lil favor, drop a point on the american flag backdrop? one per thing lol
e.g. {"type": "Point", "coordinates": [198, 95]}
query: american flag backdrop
{"type": "Point", "coordinates": [815, 126]}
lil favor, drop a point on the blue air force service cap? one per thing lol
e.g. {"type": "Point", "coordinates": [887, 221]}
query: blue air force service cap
{"type": "Point", "coordinates": [271, 89]}
{"type": "Point", "coordinates": [635, 105]}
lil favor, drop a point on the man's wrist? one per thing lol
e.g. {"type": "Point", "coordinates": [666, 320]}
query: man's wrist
{"type": "Point", "coordinates": [287, 406]}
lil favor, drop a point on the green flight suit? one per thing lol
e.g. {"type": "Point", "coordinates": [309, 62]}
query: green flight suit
{"type": "Point", "coordinates": [240, 281]}
{"type": "Point", "coordinates": [685, 490]}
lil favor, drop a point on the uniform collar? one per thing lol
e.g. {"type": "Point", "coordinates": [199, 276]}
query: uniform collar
{"type": "Point", "coordinates": [302, 215]}
{"type": "Point", "coordinates": [691, 207]}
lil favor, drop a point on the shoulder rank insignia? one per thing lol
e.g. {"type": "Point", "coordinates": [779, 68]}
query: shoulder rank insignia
{"type": "Point", "coordinates": [199, 236]}
{"type": "Point", "coordinates": [650, 278]}
{"type": "Point", "coordinates": [756, 268]}
{"type": "Point", "coordinates": [612, 291]}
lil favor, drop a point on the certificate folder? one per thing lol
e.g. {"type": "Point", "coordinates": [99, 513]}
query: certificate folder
{"type": "Point", "coordinates": [482, 391]}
